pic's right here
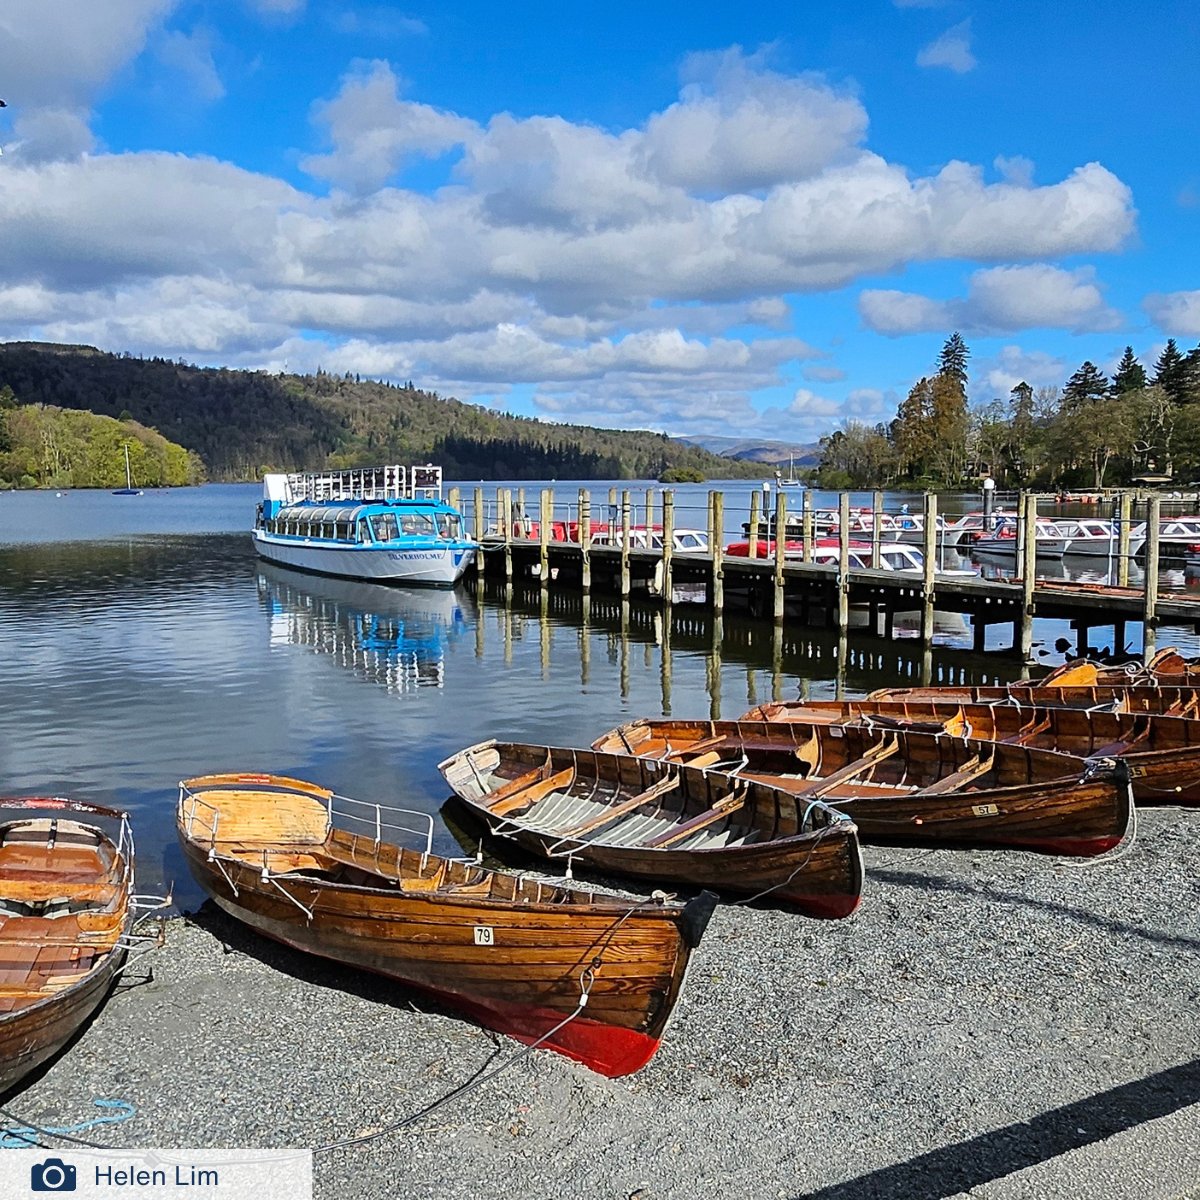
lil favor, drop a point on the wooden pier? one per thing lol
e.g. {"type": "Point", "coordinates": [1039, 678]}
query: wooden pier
{"type": "Point", "coordinates": [603, 557]}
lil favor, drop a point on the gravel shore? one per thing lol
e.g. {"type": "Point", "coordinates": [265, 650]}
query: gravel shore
{"type": "Point", "coordinates": [982, 1012]}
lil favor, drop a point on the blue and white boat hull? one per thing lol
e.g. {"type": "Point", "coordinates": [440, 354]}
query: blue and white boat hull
{"type": "Point", "coordinates": [433, 565]}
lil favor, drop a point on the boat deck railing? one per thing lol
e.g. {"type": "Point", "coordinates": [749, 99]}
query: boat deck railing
{"type": "Point", "coordinates": [374, 819]}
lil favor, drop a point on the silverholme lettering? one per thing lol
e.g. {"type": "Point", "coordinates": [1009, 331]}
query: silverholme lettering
{"type": "Point", "coordinates": [144, 1177]}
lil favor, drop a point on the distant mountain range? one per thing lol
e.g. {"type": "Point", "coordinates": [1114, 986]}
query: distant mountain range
{"type": "Point", "coordinates": [757, 450]}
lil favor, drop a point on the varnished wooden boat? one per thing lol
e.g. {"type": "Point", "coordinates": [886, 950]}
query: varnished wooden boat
{"type": "Point", "coordinates": [1166, 668]}
{"type": "Point", "coordinates": [513, 952]}
{"type": "Point", "coordinates": [675, 824]}
{"type": "Point", "coordinates": [65, 912]}
{"type": "Point", "coordinates": [1130, 698]}
{"type": "Point", "coordinates": [904, 785]}
{"type": "Point", "coordinates": [1161, 752]}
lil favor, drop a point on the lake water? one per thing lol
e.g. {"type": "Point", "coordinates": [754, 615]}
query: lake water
{"type": "Point", "coordinates": [141, 642]}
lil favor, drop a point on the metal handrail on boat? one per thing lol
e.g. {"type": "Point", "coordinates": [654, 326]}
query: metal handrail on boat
{"type": "Point", "coordinates": [421, 826]}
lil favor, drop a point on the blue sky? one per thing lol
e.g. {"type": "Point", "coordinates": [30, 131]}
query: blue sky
{"type": "Point", "coordinates": [760, 220]}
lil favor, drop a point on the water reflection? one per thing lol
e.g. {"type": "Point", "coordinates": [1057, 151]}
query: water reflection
{"type": "Point", "coordinates": [393, 637]}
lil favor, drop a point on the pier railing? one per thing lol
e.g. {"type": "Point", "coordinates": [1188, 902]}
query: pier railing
{"type": "Point", "coordinates": [820, 563]}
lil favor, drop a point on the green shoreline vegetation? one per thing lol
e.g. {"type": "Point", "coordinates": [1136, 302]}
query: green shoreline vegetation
{"type": "Point", "coordinates": [241, 424]}
{"type": "Point", "coordinates": [1093, 432]}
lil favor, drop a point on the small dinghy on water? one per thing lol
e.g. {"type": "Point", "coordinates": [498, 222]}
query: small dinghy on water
{"type": "Point", "coordinates": [899, 785]}
{"type": "Point", "coordinates": [667, 823]}
{"type": "Point", "coordinates": [66, 911]}
{"type": "Point", "coordinates": [1168, 668]}
{"type": "Point", "coordinates": [593, 976]}
{"type": "Point", "coordinates": [1161, 752]}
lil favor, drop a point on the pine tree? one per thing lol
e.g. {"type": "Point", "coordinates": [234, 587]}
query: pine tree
{"type": "Point", "coordinates": [1130, 375]}
{"type": "Point", "coordinates": [953, 359]}
{"type": "Point", "coordinates": [1171, 373]}
{"type": "Point", "coordinates": [1086, 386]}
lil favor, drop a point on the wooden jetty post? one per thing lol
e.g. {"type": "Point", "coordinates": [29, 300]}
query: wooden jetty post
{"type": "Point", "coordinates": [668, 549]}
{"type": "Point", "coordinates": [780, 529]}
{"type": "Point", "coordinates": [754, 515]}
{"type": "Point", "coordinates": [876, 530]}
{"type": "Point", "coordinates": [1150, 586]}
{"type": "Point", "coordinates": [545, 520]}
{"type": "Point", "coordinates": [1028, 547]}
{"type": "Point", "coordinates": [929, 578]}
{"type": "Point", "coordinates": [1125, 517]}
{"type": "Point", "coordinates": [649, 508]}
{"type": "Point", "coordinates": [506, 516]}
{"type": "Point", "coordinates": [454, 497]}
{"type": "Point", "coordinates": [585, 538]}
{"type": "Point", "coordinates": [806, 527]}
{"type": "Point", "coordinates": [716, 533]}
{"type": "Point", "coordinates": [478, 514]}
{"type": "Point", "coordinates": [625, 527]}
{"type": "Point", "coordinates": [522, 518]}
{"type": "Point", "coordinates": [843, 579]}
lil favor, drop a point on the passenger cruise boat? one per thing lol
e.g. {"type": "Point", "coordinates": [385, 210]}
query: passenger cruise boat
{"type": "Point", "coordinates": [385, 524]}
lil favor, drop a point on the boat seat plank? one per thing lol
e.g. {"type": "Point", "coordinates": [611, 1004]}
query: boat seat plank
{"type": "Point", "coordinates": [531, 788]}
{"type": "Point", "coordinates": [723, 808]}
{"type": "Point", "coordinates": [860, 766]}
{"type": "Point", "coordinates": [263, 819]}
{"type": "Point", "coordinates": [972, 769]}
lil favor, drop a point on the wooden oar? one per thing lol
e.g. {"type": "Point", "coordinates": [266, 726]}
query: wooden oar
{"type": "Point", "coordinates": [528, 790]}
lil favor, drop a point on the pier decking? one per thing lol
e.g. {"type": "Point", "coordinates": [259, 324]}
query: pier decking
{"type": "Point", "coordinates": [787, 587]}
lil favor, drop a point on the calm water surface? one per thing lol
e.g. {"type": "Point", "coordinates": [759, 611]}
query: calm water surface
{"type": "Point", "coordinates": [141, 642]}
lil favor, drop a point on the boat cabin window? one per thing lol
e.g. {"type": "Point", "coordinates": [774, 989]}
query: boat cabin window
{"type": "Point", "coordinates": [417, 524]}
{"type": "Point", "coordinates": [364, 530]}
{"type": "Point", "coordinates": [385, 527]}
{"type": "Point", "coordinates": [449, 525]}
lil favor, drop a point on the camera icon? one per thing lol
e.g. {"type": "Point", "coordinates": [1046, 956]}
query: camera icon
{"type": "Point", "coordinates": [53, 1175]}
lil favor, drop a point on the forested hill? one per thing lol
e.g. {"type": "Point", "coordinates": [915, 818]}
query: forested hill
{"type": "Point", "coordinates": [243, 423]}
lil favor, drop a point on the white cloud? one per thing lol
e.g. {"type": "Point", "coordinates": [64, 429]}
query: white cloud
{"type": "Point", "coordinates": [737, 127]}
{"type": "Point", "coordinates": [952, 50]}
{"type": "Point", "coordinates": [190, 57]}
{"type": "Point", "coordinates": [616, 273]}
{"type": "Point", "coordinates": [998, 300]}
{"type": "Point", "coordinates": [1176, 312]}
{"type": "Point", "coordinates": [998, 375]}
{"type": "Point", "coordinates": [824, 374]}
{"type": "Point", "coordinates": [373, 131]}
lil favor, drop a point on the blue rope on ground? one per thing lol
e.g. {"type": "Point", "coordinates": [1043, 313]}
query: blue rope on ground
{"type": "Point", "coordinates": [22, 1137]}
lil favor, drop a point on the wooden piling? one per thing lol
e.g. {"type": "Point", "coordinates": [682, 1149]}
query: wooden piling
{"type": "Point", "coordinates": [780, 540]}
{"type": "Point", "coordinates": [668, 550]}
{"type": "Point", "coordinates": [929, 577]}
{"type": "Point", "coordinates": [1028, 573]}
{"type": "Point", "coordinates": [715, 538]}
{"type": "Point", "coordinates": [545, 520]}
{"type": "Point", "coordinates": [843, 580]}
{"type": "Point", "coordinates": [506, 517]}
{"type": "Point", "coordinates": [585, 539]}
{"type": "Point", "coordinates": [876, 526]}
{"type": "Point", "coordinates": [649, 508]}
{"type": "Point", "coordinates": [625, 527]}
{"type": "Point", "coordinates": [478, 514]}
{"type": "Point", "coordinates": [755, 500]}
{"type": "Point", "coordinates": [1125, 516]}
{"type": "Point", "coordinates": [806, 527]}
{"type": "Point", "coordinates": [1150, 586]}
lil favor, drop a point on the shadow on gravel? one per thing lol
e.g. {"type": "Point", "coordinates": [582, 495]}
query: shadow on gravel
{"type": "Point", "coordinates": [308, 968]}
{"type": "Point", "coordinates": [935, 883]}
{"type": "Point", "coordinates": [991, 1156]}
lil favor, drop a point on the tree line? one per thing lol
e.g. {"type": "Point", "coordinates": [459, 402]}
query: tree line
{"type": "Point", "coordinates": [242, 424]}
{"type": "Point", "coordinates": [46, 446]}
{"type": "Point", "coordinates": [1091, 432]}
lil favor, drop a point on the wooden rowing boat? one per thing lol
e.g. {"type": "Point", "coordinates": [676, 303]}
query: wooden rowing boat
{"type": "Point", "coordinates": [904, 785]}
{"type": "Point", "coordinates": [65, 913]}
{"type": "Point", "coordinates": [518, 954]}
{"type": "Point", "coordinates": [1168, 667]}
{"type": "Point", "coordinates": [681, 824]}
{"type": "Point", "coordinates": [1163, 700]}
{"type": "Point", "coordinates": [1161, 752]}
